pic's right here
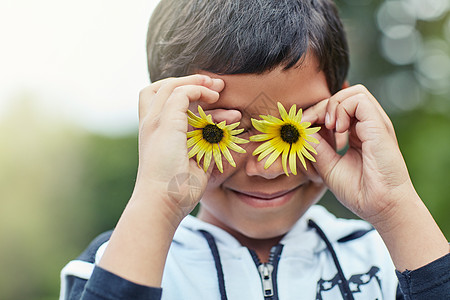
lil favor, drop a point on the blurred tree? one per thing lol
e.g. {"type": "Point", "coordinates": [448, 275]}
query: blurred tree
{"type": "Point", "coordinates": [424, 139]}
{"type": "Point", "coordinates": [108, 176]}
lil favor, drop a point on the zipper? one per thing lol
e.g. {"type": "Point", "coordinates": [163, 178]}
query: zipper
{"type": "Point", "coordinates": [265, 271]}
{"type": "Point", "coordinates": [268, 271]}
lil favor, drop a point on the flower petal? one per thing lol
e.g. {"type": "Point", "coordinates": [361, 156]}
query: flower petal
{"type": "Point", "coordinates": [309, 147]}
{"type": "Point", "coordinates": [272, 158]}
{"type": "Point", "coordinates": [235, 147]}
{"type": "Point", "coordinates": [307, 155]}
{"type": "Point", "coordinates": [190, 134]}
{"type": "Point", "coordinates": [284, 157]}
{"type": "Point", "coordinates": [227, 154]}
{"type": "Point", "coordinates": [197, 124]}
{"type": "Point", "coordinates": [263, 147]}
{"type": "Point", "coordinates": [197, 147]}
{"type": "Point", "coordinates": [302, 159]}
{"type": "Point", "coordinates": [292, 112]}
{"type": "Point", "coordinates": [217, 157]}
{"type": "Point", "coordinates": [265, 153]}
{"type": "Point", "coordinates": [311, 139]}
{"type": "Point", "coordinates": [193, 116]}
{"type": "Point", "coordinates": [293, 160]}
{"type": "Point", "coordinates": [238, 140]}
{"type": "Point", "coordinates": [222, 125]}
{"type": "Point", "coordinates": [271, 119]}
{"type": "Point", "coordinates": [201, 112]}
{"type": "Point", "coordinates": [236, 132]}
{"type": "Point", "coordinates": [311, 130]}
{"type": "Point", "coordinates": [193, 140]}
{"type": "Point", "coordinates": [261, 137]}
{"type": "Point", "coordinates": [277, 147]}
{"type": "Point", "coordinates": [275, 144]}
{"type": "Point", "coordinates": [282, 111]}
{"type": "Point", "coordinates": [233, 126]}
{"type": "Point", "coordinates": [298, 117]}
{"type": "Point", "coordinates": [259, 125]}
{"type": "Point", "coordinates": [200, 155]}
{"type": "Point", "coordinates": [305, 124]}
{"type": "Point", "coordinates": [207, 159]}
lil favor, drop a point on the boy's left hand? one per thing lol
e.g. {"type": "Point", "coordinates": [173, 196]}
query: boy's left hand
{"type": "Point", "coordinates": [371, 178]}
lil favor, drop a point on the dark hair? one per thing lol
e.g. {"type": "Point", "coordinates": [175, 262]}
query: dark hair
{"type": "Point", "coordinates": [245, 36]}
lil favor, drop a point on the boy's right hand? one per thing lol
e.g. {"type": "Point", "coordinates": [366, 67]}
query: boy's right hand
{"type": "Point", "coordinates": [140, 242]}
{"type": "Point", "coordinates": [162, 142]}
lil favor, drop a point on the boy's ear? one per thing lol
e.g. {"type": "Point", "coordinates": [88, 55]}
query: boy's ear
{"type": "Point", "coordinates": [345, 85]}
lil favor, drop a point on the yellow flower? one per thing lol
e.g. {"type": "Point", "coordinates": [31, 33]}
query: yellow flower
{"type": "Point", "coordinates": [211, 139]}
{"type": "Point", "coordinates": [287, 137]}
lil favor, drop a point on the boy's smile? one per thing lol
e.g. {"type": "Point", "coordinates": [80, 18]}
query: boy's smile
{"type": "Point", "coordinates": [249, 201]}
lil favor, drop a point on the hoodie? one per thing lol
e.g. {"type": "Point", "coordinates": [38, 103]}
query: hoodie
{"type": "Point", "coordinates": [321, 257]}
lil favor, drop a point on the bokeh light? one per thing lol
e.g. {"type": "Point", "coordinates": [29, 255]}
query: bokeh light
{"type": "Point", "coordinates": [402, 45]}
{"type": "Point", "coordinates": [405, 41]}
{"type": "Point", "coordinates": [428, 10]}
{"type": "Point", "coordinates": [433, 67]}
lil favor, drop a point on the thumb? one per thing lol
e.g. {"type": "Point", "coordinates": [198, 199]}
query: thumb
{"type": "Point", "coordinates": [228, 115]}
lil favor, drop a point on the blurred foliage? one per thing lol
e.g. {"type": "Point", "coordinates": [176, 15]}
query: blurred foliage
{"type": "Point", "coordinates": [425, 143]}
{"type": "Point", "coordinates": [61, 186]}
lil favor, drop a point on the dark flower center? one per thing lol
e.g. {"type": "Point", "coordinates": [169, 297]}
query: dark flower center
{"type": "Point", "coordinates": [289, 133]}
{"type": "Point", "coordinates": [212, 134]}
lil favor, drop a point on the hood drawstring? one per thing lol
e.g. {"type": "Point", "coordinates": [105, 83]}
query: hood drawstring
{"type": "Point", "coordinates": [215, 253]}
{"type": "Point", "coordinates": [343, 284]}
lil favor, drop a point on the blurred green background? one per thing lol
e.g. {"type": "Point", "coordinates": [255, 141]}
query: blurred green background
{"type": "Point", "coordinates": [61, 185]}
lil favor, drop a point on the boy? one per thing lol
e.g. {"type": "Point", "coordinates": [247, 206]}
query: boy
{"type": "Point", "coordinates": [258, 233]}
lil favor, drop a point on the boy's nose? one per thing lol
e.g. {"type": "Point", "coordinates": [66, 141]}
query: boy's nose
{"type": "Point", "coordinates": [253, 167]}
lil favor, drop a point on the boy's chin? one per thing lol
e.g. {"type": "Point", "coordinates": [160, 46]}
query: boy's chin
{"type": "Point", "coordinates": [267, 231]}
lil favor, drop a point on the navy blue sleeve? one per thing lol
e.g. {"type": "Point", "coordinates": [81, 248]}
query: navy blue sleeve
{"type": "Point", "coordinates": [101, 284]}
{"type": "Point", "coordinates": [108, 286]}
{"type": "Point", "coordinates": [431, 281]}
{"type": "Point", "coordinates": [75, 287]}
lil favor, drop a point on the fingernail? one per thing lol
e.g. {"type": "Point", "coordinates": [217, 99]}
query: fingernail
{"type": "Point", "coordinates": [217, 80]}
{"type": "Point", "coordinates": [337, 125]}
{"type": "Point", "coordinates": [327, 119]}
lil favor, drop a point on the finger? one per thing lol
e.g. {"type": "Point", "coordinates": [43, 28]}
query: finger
{"type": "Point", "coordinates": [178, 102]}
{"type": "Point", "coordinates": [330, 114]}
{"type": "Point", "coordinates": [153, 97]}
{"type": "Point", "coordinates": [370, 123]}
{"type": "Point", "coordinates": [147, 95]}
{"type": "Point", "coordinates": [167, 88]}
{"type": "Point", "coordinates": [168, 84]}
{"type": "Point", "coordinates": [343, 94]}
{"type": "Point", "coordinates": [228, 115]}
{"type": "Point", "coordinates": [316, 114]}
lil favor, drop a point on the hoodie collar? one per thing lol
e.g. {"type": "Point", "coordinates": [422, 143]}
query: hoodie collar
{"type": "Point", "coordinates": [334, 228]}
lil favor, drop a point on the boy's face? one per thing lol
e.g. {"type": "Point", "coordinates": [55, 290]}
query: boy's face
{"type": "Point", "coordinates": [249, 200]}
